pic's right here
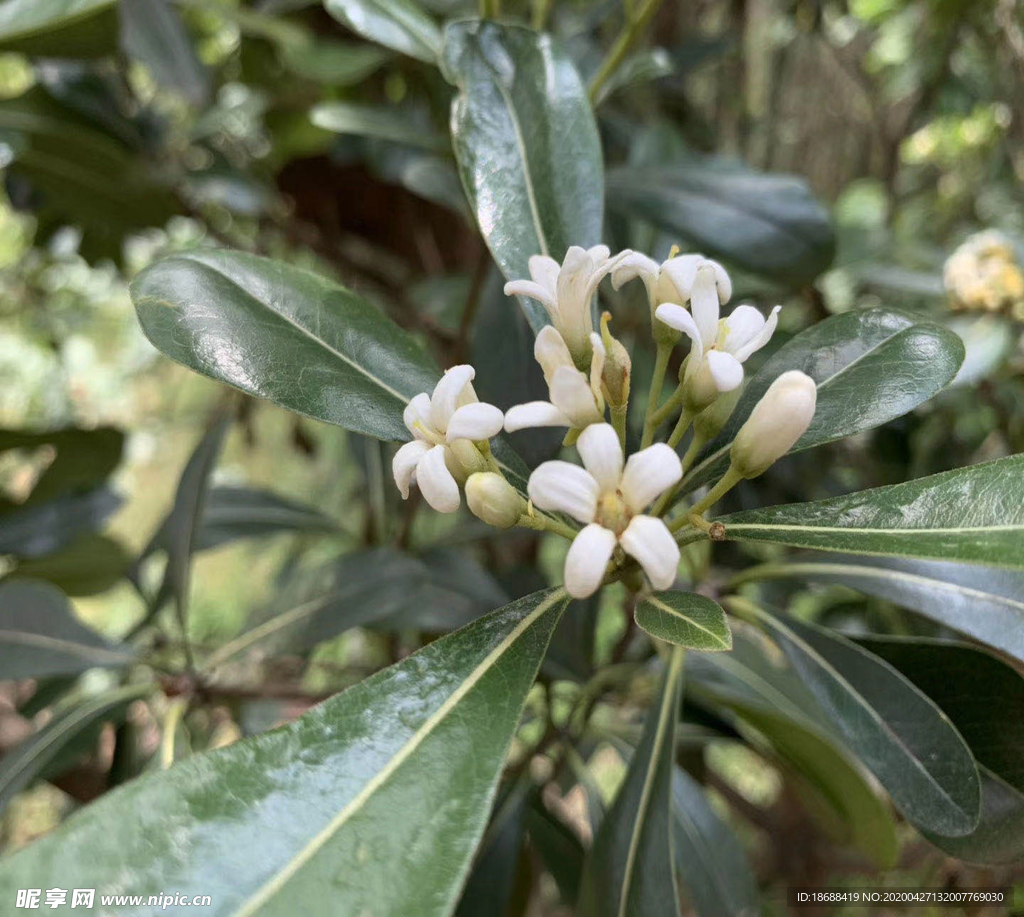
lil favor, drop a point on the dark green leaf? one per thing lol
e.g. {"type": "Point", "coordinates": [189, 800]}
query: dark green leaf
{"type": "Point", "coordinates": [684, 618]}
{"type": "Point", "coordinates": [42, 528]}
{"type": "Point", "coordinates": [641, 67]}
{"type": "Point", "coordinates": [397, 24]}
{"type": "Point", "coordinates": [559, 848]}
{"type": "Point", "coordinates": [571, 655]}
{"type": "Point", "coordinates": [397, 773]}
{"type": "Point", "coordinates": [58, 28]}
{"type": "Point", "coordinates": [629, 870]}
{"type": "Point", "coordinates": [526, 143]}
{"type": "Point", "coordinates": [764, 223]}
{"type": "Point", "coordinates": [973, 514]}
{"type": "Point", "coordinates": [64, 735]}
{"type": "Point", "coordinates": [230, 513]}
{"type": "Point", "coordinates": [40, 635]}
{"type": "Point", "coordinates": [384, 123]}
{"type": "Point", "coordinates": [153, 34]}
{"type": "Point", "coordinates": [984, 602]}
{"type": "Point", "coordinates": [284, 334]}
{"type": "Point", "coordinates": [710, 860]}
{"type": "Point", "coordinates": [870, 367]}
{"type": "Point", "coordinates": [334, 63]}
{"type": "Point", "coordinates": [90, 564]}
{"type": "Point", "coordinates": [906, 741]}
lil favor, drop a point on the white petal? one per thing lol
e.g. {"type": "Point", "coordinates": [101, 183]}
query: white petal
{"type": "Point", "coordinates": [534, 414]}
{"type": "Point", "coordinates": [417, 412]}
{"type": "Point", "coordinates": [587, 560]}
{"type": "Point", "coordinates": [676, 277]}
{"type": "Point", "coordinates": [761, 338]}
{"type": "Point", "coordinates": [571, 394]}
{"type": "Point", "coordinates": [446, 395]}
{"type": "Point", "coordinates": [650, 542]}
{"type": "Point", "coordinates": [675, 316]}
{"type": "Point", "coordinates": [704, 305]}
{"type": "Point", "coordinates": [565, 488]}
{"type": "Point", "coordinates": [599, 253]}
{"type": "Point", "coordinates": [722, 281]}
{"type": "Point", "coordinates": [635, 265]}
{"type": "Point", "coordinates": [403, 465]}
{"type": "Point", "coordinates": [599, 448]}
{"type": "Point", "coordinates": [725, 369]}
{"type": "Point", "coordinates": [597, 359]}
{"type": "Point", "coordinates": [649, 473]}
{"type": "Point", "coordinates": [533, 291]}
{"type": "Point", "coordinates": [551, 352]}
{"type": "Point", "coordinates": [574, 317]}
{"type": "Point", "coordinates": [475, 421]}
{"type": "Point", "coordinates": [742, 325]}
{"type": "Point", "coordinates": [544, 270]}
{"type": "Point", "coordinates": [436, 482]}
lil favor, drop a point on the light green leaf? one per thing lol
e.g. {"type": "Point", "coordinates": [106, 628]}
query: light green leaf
{"type": "Point", "coordinates": [629, 871]}
{"type": "Point", "coordinates": [58, 28]}
{"type": "Point", "coordinates": [333, 63]}
{"type": "Point", "coordinates": [377, 121]}
{"type": "Point", "coordinates": [40, 635]}
{"type": "Point", "coordinates": [397, 24]}
{"type": "Point", "coordinates": [764, 223]}
{"type": "Point", "coordinates": [984, 602]}
{"type": "Point", "coordinates": [973, 515]}
{"type": "Point", "coordinates": [153, 34]}
{"type": "Point", "coordinates": [285, 334]}
{"type": "Point", "coordinates": [526, 143]}
{"type": "Point", "coordinates": [906, 741]}
{"type": "Point", "coordinates": [684, 618]}
{"type": "Point", "coordinates": [870, 367]}
{"type": "Point", "coordinates": [372, 801]}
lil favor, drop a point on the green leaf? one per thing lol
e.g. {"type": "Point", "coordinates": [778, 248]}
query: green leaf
{"type": "Point", "coordinates": [526, 144]}
{"type": "Point", "coordinates": [629, 870]}
{"type": "Point", "coordinates": [89, 565]}
{"type": "Point", "coordinates": [152, 33]}
{"type": "Point", "coordinates": [685, 619]}
{"type": "Point", "coordinates": [906, 741]}
{"type": "Point", "coordinates": [973, 514]}
{"type": "Point", "coordinates": [764, 223]}
{"type": "Point", "coordinates": [58, 28]}
{"type": "Point", "coordinates": [870, 367]}
{"type": "Point", "coordinates": [42, 528]}
{"type": "Point", "coordinates": [378, 121]}
{"type": "Point", "coordinates": [284, 334]}
{"type": "Point", "coordinates": [331, 62]}
{"type": "Point", "coordinates": [984, 602]}
{"type": "Point", "coordinates": [643, 66]}
{"type": "Point", "coordinates": [397, 24]}
{"type": "Point", "coordinates": [372, 801]}
{"type": "Point", "coordinates": [230, 513]}
{"type": "Point", "coordinates": [40, 635]}
{"type": "Point", "coordinates": [708, 857]}
{"type": "Point", "coordinates": [69, 732]}
{"type": "Point", "coordinates": [559, 848]}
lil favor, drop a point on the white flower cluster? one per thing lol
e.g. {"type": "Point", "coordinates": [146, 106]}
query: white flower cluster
{"type": "Point", "coordinates": [586, 373]}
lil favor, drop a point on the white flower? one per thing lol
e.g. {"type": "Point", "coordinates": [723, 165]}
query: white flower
{"type": "Point", "coordinates": [445, 426]}
{"type": "Point", "coordinates": [576, 401]}
{"type": "Point", "coordinates": [672, 280]}
{"type": "Point", "coordinates": [610, 500]}
{"type": "Point", "coordinates": [778, 420]}
{"type": "Point", "coordinates": [566, 291]}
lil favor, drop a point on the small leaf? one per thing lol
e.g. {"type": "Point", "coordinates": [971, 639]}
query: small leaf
{"type": "Point", "coordinates": [526, 143]}
{"type": "Point", "coordinates": [89, 565]}
{"type": "Point", "coordinates": [153, 34]}
{"type": "Point", "coordinates": [284, 334]}
{"type": "Point", "coordinates": [902, 736]}
{"type": "Point", "coordinates": [629, 870]}
{"type": "Point", "coordinates": [764, 223]}
{"type": "Point", "coordinates": [230, 513]}
{"type": "Point", "coordinates": [684, 618]}
{"type": "Point", "coordinates": [397, 24]}
{"type": "Point", "coordinates": [40, 635]}
{"type": "Point", "coordinates": [331, 62]}
{"type": "Point", "coordinates": [973, 514]}
{"type": "Point", "coordinates": [58, 28]}
{"type": "Point", "coordinates": [870, 367]}
{"type": "Point", "coordinates": [375, 121]}
{"type": "Point", "coordinates": [371, 801]}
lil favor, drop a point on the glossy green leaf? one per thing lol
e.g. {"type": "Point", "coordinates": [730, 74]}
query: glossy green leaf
{"type": "Point", "coordinates": [870, 367]}
{"type": "Point", "coordinates": [559, 848]}
{"type": "Point", "coordinates": [984, 602]}
{"type": "Point", "coordinates": [397, 24]}
{"type": "Point", "coordinates": [526, 143]}
{"type": "Point", "coordinates": [153, 34]}
{"type": "Point", "coordinates": [70, 729]}
{"type": "Point", "coordinates": [38, 529]}
{"type": "Point", "coordinates": [764, 223]}
{"type": "Point", "coordinates": [90, 564]}
{"type": "Point", "coordinates": [58, 28]}
{"type": "Point", "coordinates": [377, 121]}
{"type": "Point", "coordinates": [230, 513]}
{"type": "Point", "coordinates": [685, 619]}
{"type": "Point", "coordinates": [717, 877]}
{"type": "Point", "coordinates": [40, 635]}
{"type": "Point", "coordinates": [973, 514]}
{"type": "Point", "coordinates": [284, 334]}
{"type": "Point", "coordinates": [398, 770]}
{"type": "Point", "coordinates": [906, 741]}
{"type": "Point", "coordinates": [629, 870]}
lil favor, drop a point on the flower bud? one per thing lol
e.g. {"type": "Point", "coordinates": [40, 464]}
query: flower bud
{"type": "Point", "coordinates": [463, 459]}
{"type": "Point", "coordinates": [493, 499]}
{"type": "Point", "coordinates": [617, 366]}
{"type": "Point", "coordinates": [709, 422]}
{"type": "Point", "coordinates": [700, 388]}
{"type": "Point", "coordinates": [778, 420]}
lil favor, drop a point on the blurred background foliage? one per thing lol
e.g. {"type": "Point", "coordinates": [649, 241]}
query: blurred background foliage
{"type": "Point", "coordinates": [144, 127]}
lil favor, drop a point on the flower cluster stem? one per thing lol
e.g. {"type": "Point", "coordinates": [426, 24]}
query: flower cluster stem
{"type": "Point", "coordinates": [618, 413]}
{"type": "Point", "coordinates": [657, 381]}
{"type": "Point", "coordinates": [542, 522]}
{"type": "Point", "coordinates": [728, 481]}
{"type": "Point", "coordinates": [682, 425]}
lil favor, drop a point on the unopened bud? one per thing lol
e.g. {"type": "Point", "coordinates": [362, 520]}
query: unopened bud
{"type": "Point", "coordinates": [709, 422]}
{"type": "Point", "coordinates": [700, 389]}
{"type": "Point", "coordinates": [493, 499]}
{"type": "Point", "coordinates": [617, 366]}
{"type": "Point", "coordinates": [778, 420]}
{"type": "Point", "coordinates": [463, 458]}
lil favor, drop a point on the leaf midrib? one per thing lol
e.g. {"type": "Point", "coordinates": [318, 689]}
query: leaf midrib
{"type": "Point", "coordinates": [672, 612]}
{"type": "Point", "coordinates": [45, 641]}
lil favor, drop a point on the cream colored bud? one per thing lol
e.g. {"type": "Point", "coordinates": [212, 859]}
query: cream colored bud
{"type": "Point", "coordinates": [493, 499]}
{"type": "Point", "coordinates": [617, 366]}
{"type": "Point", "coordinates": [778, 420]}
{"type": "Point", "coordinates": [700, 389]}
{"type": "Point", "coordinates": [463, 459]}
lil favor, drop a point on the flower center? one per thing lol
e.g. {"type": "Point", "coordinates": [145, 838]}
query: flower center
{"type": "Point", "coordinates": [612, 512]}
